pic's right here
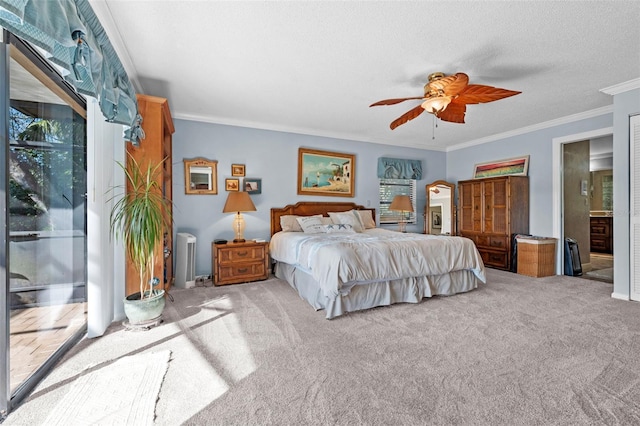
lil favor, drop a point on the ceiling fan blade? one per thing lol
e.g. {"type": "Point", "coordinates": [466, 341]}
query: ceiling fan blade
{"type": "Point", "coordinates": [407, 116]}
{"type": "Point", "coordinates": [394, 101]}
{"type": "Point", "coordinates": [450, 85]}
{"type": "Point", "coordinates": [478, 94]}
{"type": "Point", "coordinates": [454, 112]}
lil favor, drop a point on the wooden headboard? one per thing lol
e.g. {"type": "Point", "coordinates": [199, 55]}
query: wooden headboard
{"type": "Point", "coordinates": [309, 208]}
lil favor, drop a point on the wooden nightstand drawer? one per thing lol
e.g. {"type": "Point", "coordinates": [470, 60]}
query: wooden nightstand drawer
{"type": "Point", "coordinates": [239, 262]}
{"type": "Point", "coordinates": [241, 254]}
{"type": "Point", "coordinates": [245, 272]}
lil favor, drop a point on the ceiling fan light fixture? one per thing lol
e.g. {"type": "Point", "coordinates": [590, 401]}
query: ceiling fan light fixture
{"type": "Point", "coordinates": [444, 90]}
{"type": "Point", "coordinates": [436, 104]}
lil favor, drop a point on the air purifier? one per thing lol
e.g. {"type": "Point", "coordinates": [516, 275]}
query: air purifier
{"type": "Point", "coordinates": [185, 260]}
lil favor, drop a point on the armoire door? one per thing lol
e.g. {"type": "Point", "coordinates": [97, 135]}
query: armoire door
{"type": "Point", "coordinates": [471, 207]}
{"type": "Point", "coordinates": [495, 206]}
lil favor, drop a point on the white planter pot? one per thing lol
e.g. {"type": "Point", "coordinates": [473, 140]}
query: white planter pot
{"type": "Point", "coordinates": [140, 311]}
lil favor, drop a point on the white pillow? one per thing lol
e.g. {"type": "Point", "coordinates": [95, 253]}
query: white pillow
{"type": "Point", "coordinates": [311, 224]}
{"type": "Point", "coordinates": [326, 220]}
{"type": "Point", "coordinates": [288, 222]}
{"type": "Point", "coordinates": [347, 218]}
{"type": "Point", "coordinates": [366, 218]}
{"type": "Point", "coordinates": [338, 228]}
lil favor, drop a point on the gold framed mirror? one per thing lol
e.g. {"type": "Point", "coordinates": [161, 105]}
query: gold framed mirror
{"type": "Point", "coordinates": [439, 217]}
{"type": "Point", "coordinates": [200, 176]}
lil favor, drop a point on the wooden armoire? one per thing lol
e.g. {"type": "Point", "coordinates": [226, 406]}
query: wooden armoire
{"type": "Point", "coordinates": [490, 211]}
{"type": "Point", "coordinates": [156, 146]}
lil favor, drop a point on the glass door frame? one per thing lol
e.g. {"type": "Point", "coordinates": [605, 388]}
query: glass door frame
{"type": "Point", "coordinates": [5, 393]}
{"type": "Point", "coordinates": [11, 45]}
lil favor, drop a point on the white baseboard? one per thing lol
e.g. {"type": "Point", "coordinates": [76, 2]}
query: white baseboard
{"type": "Point", "coordinates": [620, 296]}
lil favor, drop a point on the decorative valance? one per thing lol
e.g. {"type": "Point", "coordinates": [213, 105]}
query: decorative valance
{"type": "Point", "coordinates": [70, 32]}
{"type": "Point", "coordinates": [395, 168]}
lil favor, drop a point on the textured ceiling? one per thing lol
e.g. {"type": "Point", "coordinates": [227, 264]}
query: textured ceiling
{"type": "Point", "coordinates": [315, 67]}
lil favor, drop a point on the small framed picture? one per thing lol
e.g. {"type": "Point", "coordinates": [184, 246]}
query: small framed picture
{"type": "Point", "coordinates": [252, 185]}
{"type": "Point", "coordinates": [232, 184]}
{"type": "Point", "coordinates": [436, 220]}
{"type": "Point", "coordinates": [237, 170]}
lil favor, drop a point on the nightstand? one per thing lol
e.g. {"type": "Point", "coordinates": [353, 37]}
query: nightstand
{"type": "Point", "coordinates": [234, 263]}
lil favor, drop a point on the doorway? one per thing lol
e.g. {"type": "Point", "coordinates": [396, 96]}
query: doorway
{"type": "Point", "coordinates": [583, 201]}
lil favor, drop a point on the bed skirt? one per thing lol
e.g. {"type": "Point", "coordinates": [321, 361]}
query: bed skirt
{"type": "Point", "coordinates": [380, 293]}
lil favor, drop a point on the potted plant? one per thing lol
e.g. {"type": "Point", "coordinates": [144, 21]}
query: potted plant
{"type": "Point", "coordinates": [140, 219]}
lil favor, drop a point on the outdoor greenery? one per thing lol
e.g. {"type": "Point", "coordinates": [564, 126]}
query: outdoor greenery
{"type": "Point", "coordinates": [47, 169]}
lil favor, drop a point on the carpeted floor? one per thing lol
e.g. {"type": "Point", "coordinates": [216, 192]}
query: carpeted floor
{"type": "Point", "coordinates": [518, 350]}
{"type": "Point", "coordinates": [102, 394]}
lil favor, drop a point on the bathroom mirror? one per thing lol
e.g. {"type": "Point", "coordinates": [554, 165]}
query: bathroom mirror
{"type": "Point", "coordinates": [440, 209]}
{"type": "Point", "coordinates": [201, 176]}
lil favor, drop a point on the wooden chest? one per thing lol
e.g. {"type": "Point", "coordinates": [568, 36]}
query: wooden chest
{"type": "Point", "coordinates": [239, 262]}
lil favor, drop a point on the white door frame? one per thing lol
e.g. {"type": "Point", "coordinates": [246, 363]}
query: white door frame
{"type": "Point", "coordinates": [634, 222]}
{"type": "Point", "coordinates": [558, 194]}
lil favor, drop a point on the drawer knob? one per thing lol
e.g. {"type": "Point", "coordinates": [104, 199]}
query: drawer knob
{"type": "Point", "coordinates": [242, 253]}
{"type": "Point", "coordinates": [243, 270]}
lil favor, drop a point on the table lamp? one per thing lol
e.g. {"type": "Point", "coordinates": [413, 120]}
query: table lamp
{"type": "Point", "coordinates": [403, 204]}
{"type": "Point", "coordinates": [238, 202]}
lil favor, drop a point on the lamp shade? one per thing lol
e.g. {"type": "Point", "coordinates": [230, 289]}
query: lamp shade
{"type": "Point", "coordinates": [238, 202]}
{"type": "Point", "coordinates": [401, 203]}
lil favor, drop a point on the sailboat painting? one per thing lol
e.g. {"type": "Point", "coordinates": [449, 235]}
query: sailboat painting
{"type": "Point", "coordinates": [325, 173]}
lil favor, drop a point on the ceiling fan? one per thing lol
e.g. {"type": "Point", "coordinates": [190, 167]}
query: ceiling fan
{"type": "Point", "coordinates": [447, 97]}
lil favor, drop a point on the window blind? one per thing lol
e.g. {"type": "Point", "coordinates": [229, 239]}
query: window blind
{"type": "Point", "coordinates": [389, 188]}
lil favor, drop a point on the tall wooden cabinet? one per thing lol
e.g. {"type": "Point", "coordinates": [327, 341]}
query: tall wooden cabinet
{"type": "Point", "coordinates": [490, 211]}
{"type": "Point", "coordinates": [156, 146]}
{"type": "Point", "coordinates": [601, 236]}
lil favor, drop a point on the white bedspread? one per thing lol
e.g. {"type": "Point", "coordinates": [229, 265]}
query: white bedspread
{"type": "Point", "coordinates": [336, 260]}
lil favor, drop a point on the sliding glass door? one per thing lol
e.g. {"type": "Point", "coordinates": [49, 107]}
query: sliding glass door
{"type": "Point", "coordinates": [46, 216]}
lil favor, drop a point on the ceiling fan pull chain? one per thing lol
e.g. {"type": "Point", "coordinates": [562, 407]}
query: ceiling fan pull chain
{"type": "Point", "coordinates": [433, 127]}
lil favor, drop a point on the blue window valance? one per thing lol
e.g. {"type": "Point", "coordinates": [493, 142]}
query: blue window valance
{"type": "Point", "coordinates": [70, 32]}
{"type": "Point", "coordinates": [395, 168]}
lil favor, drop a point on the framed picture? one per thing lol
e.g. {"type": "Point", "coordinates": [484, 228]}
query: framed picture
{"type": "Point", "coordinates": [325, 173]}
{"type": "Point", "coordinates": [232, 184]}
{"type": "Point", "coordinates": [252, 185]}
{"type": "Point", "coordinates": [200, 176]}
{"type": "Point", "coordinates": [237, 170]}
{"type": "Point", "coordinates": [436, 220]}
{"type": "Point", "coordinates": [518, 166]}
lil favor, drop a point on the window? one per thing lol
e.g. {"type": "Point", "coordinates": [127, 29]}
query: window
{"type": "Point", "coordinates": [389, 188]}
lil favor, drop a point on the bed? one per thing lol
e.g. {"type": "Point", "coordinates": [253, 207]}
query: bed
{"type": "Point", "coordinates": [340, 268]}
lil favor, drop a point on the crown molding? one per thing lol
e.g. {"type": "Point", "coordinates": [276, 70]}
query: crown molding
{"type": "Point", "coordinates": [523, 130]}
{"type": "Point", "coordinates": [540, 126]}
{"type": "Point", "coordinates": [289, 129]}
{"type": "Point", "coordinates": [622, 87]}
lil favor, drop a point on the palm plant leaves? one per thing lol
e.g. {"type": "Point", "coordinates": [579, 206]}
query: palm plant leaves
{"type": "Point", "coordinates": [141, 217]}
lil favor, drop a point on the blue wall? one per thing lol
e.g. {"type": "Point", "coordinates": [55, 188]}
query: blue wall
{"type": "Point", "coordinates": [273, 157]}
{"type": "Point", "coordinates": [538, 145]}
